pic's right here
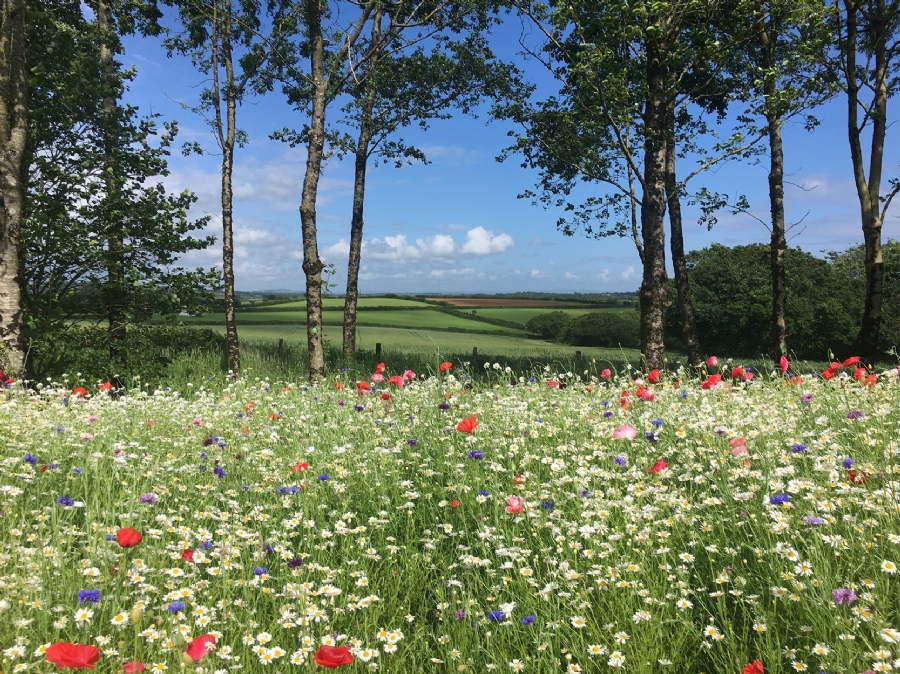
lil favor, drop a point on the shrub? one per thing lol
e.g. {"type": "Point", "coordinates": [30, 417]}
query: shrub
{"type": "Point", "coordinates": [607, 329]}
{"type": "Point", "coordinates": [551, 325]}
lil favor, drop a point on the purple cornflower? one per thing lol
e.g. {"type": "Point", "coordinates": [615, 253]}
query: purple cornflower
{"type": "Point", "coordinates": [527, 620]}
{"type": "Point", "coordinates": [85, 596]}
{"type": "Point", "coordinates": [799, 448]}
{"type": "Point", "coordinates": [340, 403]}
{"type": "Point", "coordinates": [412, 443]}
{"type": "Point", "coordinates": [778, 499]}
{"type": "Point", "coordinates": [806, 397]}
{"type": "Point", "coordinates": [496, 616]}
{"type": "Point", "coordinates": [294, 562]}
{"type": "Point", "coordinates": [147, 498]}
{"type": "Point", "coordinates": [607, 414]}
{"type": "Point", "coordinates": [175, 607]}
{"type": "Point", "coordinates": [220, 472]}
{"type": "Point", "coordinates": [812, 519]}
{"type": "Point", "coordinates": [358, 408]}
{"type": "Point", "coordinates": [476, 454]}
{"type": "Point", "coordinates": [651, 436]}
{"type": "Point", "coordinates": [460, 614]}
{"type": "Point", "coordinates": [843, 595]}
{"type": "Point", "coordinates": [854, 414]}
{"type": "Point", "coordinates": [65, 501]}
{"type": "Point", "coordinates": [204, 455]}
{"type": "Point", "coordinates": [848, 462]}
{"type": "Point", "coordinates": [443, 406]}
{"type": "Point", "coordinates": [620, 461]}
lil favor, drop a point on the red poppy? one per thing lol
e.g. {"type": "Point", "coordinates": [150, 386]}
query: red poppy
{"type": "Point", "coordinates": [857, 478]}
{"type": "Point", "coordinates": [128, 538]}
{"type": "Point", "coordinates": [106, 387]}
{"type": "Point", "coordinates": [737, 372]}
{"type": "Point", "coordinates": [396, 380]}
{"type": "Point", "coordinates": [551, 384]}
{"type": "Point", "coordinates": [645, 394]}
{"type": "Point", "coordinates": [331, 656]}
{"type": "Point", "coordinates": [853, 360]}
{"type": "Point", "coordinates": [73, 656]}
{"type": "Point", "coordinates": [795, 380]}
{"type": "Point", "coordinates": [783, 364]}
{"type": "Point", "coordinates": [187, 555]}
{"type": "Point", "coordinates": [654, 376]}
{"type": "Point", "coordinates": [200, 646]}
{"type": "Point", "coordinates": [828, 374]}
{"type": "Point", "coordinates": [712, 361]}
{"type": "Point", "coordinates": [362, 386]}
{"type": "Point", "coordinates": [834, 366]}
{"type": "Point", "coordinates": [519, 479]}
{"type": "Point", "coordinates": [858, 373]}
{"type": "Point", "coordinates": [445, 366]}
{"type": "Point", "coordinates": [468, 425]}
{"type": "Point", "coordinates": [385, 396]}
{"type": "Point", "coordinates": [755, 667]}
{"type": "Point", "coordinates": [339, 386]}
{"type": "Point", "coordinates": [300, 467]}
{"type": "Point", "coordinates": [133, 667]}
{"type": "Point", "coordinates": [588, 388]}
{"type": "Point", "coordinates": [379, 368]}
{"type": "Point", "coordinates": [711, 381]}
{"type": "Point", "coordinates": [659, 466]}
{"type": "Point", "coordinates": [870, 380]}
{"type": "Point", "coordinates": [454, 503]}
{"type": "Point", "coordinates": [80, 391]}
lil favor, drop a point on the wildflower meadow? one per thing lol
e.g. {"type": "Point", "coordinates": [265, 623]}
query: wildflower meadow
{"type": "Point", "coordinates": [545, 521]}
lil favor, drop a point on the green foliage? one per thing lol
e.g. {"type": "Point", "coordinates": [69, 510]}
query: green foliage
{"type": "Point", "coordinates": [732, 292]}
{"type": "Point", "coordinates": [148, 351]}
{"type": "Point", "coordinates": [607, 329]}
{"type": "Point", "coordinates": [551, 325]}
{"type": "Point", "coordinates": [68, 199]}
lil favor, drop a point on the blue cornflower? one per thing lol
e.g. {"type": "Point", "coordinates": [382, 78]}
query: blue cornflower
{"type": "Point", "coordinates": [260, 571]}
{"type": "Point", "coordinates": [324, 476]}
{"type": "Point", "coordinates": [778, 499]}
{"type": "Point", "coordinates": [412, 443]}
{"type": "Point", "coordinates": [799, 448]}
{"type": "Point", "coordinates": [175, 607]}
{"type": "Point", "coordinates": [78, 471]}
{"type": "Point", "coordinates": [496, 616]}
{"type": "Point", "coordinates": [684, 394]}
{"type": "Point", "coordinates": [204, 455]}
{"type": "Point", "coordinates": [657, 422]}
{"type": "Point", "coordinates": [31, 459]}
{"type": "Point", "coordinates": [85, 596]}
{"type": "Point", "coordinates": [607, 414]}
{"type": "Point", "coordinates": [527, 620]}
{"type": "Point", "coordinates": [812, 519]}
{"type": "Point", "coordinates": [476, 454]}
{"type": "Point", "coordinates": [484, 492]}
{"type": "Point", "coordinates": [358, 408]}
{"type": "Point", "coordinates": [60, 429]}
{"type": "Point", "coordinates": [621, 460]}
{"type": "Point", "coordinates": [220, 472]}
{"type": "Point", "coordinates": [651, 436]}
{"type": "Point", "coordinates": [206, 545]}
{"type": "Point", "coordinates": [65, 501]}
{"type": "Point", "coordinates": [848, 462]}
{"type": "Point", "coordinates": [443, 406]}
{"type": "Point", "coordinates": [547, 504]}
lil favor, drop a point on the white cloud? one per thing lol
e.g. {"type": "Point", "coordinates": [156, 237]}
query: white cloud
{"type": "Point", "coordinates": [603, 275]}
{"type": "Point", "coordinates": [480, 241]}
{"type": "Point", "coordinates": [335, 253]}
{"type": "Point", "coordinates": [570, 276]}
{"type": "Point", "coordinates": [628, 273]}
{"type": "Point", "coordinates": [536, 273]}
{"type": "Point", "coordinates": [538, 241]}
{"type": "Point", "coordinates": [467, 272]}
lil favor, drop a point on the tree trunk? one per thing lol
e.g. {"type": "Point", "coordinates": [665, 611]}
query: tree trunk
{"type": "Point", "coordinates": [115, 295]}
{"type": "Point", "coordinates": [359, 196]}
{"type": "Point", "coordinates": [778, 244]}
{"type": "Point", "coordinates": [13, 132]}
{"type": "Point", "coordinates": [312, 265]}
{"type": "Point", "coordinates": [654, 284]}
{"type": "Point", "coordinates": [682, 285]}
{"type": "Point", "coordinates": [231, 333]}
{"type": "Point", "coordinates": [868, 191]}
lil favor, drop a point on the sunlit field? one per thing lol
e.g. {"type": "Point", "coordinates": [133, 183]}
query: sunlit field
{"type": "Point", "coordinates": [535, 521]}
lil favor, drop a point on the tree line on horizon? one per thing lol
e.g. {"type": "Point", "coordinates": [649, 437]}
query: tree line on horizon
{"type": "Point", "coordinates": [87, 229]}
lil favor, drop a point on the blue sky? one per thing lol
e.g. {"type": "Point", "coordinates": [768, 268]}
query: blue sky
{"type": "Point", "coordinates": [455, 225]}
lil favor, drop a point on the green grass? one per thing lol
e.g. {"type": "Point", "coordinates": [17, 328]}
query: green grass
{"type": "Point", "coordinates": [363, 302]}
{"type": "Point", "coordinates": [522, 315]}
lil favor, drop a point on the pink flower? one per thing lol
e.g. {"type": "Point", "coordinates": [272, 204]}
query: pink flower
{"type": "Point", "coordinates": [738, 445]}
{"type": "Point", "coordinates": [91, 419]}
{"type": "Point", "coordinates": [377, 377]}
{"type": "Point", "coordinates": [396, 380]}
{"type": "Point", "coordinates": [626, 432]}
{"type": "Point", "coordinates": [514, 504]}
{"type": "Point", "coordinates": [409, 375]}
{"type": "Point", "coordinates": [197, 421]}
{"type": "Point", "coordinates": [783, 364]}
{"type": "Point", "coordinates": [712, 361]}
{"type": "Point", "coordinates": [605, 374]}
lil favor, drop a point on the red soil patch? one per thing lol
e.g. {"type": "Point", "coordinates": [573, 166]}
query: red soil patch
{"type": "Point", "coordinates": [487, 302]}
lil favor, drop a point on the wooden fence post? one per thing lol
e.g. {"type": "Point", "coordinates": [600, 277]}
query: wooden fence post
{"type": "Point", "coordinates": [280, 344]}
{"type": "Point", "coordinates": [578, 354]}
{"type": "Point", "coordinates": [378, 349]}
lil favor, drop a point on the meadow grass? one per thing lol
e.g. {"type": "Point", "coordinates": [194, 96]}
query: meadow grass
{"type": "Point", "coordinates": [522, 315]}
{"type": "Point", "coordinates": [362, 302]}
{"type": "Point", "coordinates": [729, 522]}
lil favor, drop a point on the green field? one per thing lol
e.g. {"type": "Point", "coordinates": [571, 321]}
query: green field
{"type": "Point", "coordinates": [522, 315]}
{"type": "Point", "coordinates": [426, 341]}
{"type": "Point", "coordinates": [364, 302]}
